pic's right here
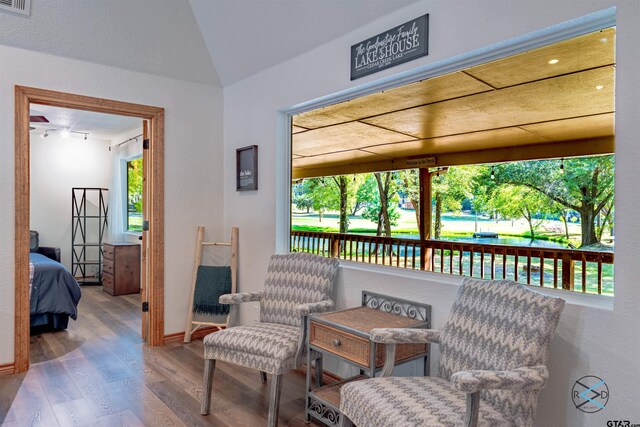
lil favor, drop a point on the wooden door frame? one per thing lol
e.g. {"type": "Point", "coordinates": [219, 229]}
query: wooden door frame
{"type": "Point", "coordinates": [24, 96]}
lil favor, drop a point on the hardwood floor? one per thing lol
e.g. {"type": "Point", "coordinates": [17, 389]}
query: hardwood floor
{"type": "Point", "coordinates": [99, 373]}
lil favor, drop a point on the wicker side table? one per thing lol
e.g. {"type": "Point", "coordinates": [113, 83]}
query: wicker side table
{"type": "Point", "coordinates": [345, 334]}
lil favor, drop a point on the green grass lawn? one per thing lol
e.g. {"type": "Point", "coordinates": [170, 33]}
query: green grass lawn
{"type": "Point", "coordinates": [453, 226]}
{"type": "Point", "coordinates": [135, 222]}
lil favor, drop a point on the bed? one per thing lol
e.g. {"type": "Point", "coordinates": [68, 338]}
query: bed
{"type": "Point", "coordinates": [54, 293]}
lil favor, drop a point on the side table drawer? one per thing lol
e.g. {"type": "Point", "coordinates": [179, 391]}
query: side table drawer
{"type": "Point", "coordinates": [355, 348]}
{"type": "Point", "coordinates": [341, 343]}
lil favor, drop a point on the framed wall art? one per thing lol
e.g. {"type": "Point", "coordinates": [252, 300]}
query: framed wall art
{"type": "Point", "coordinates": [247, 168]}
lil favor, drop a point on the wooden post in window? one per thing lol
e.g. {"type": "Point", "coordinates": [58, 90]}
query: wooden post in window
{"type": "Point", "coordinates": [425, 218]}
{"type": "Point", "coordinates": [567, 272]}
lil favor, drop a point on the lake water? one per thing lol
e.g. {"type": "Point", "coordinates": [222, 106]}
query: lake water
{"type": "Point", "coordinates": [513, 241]}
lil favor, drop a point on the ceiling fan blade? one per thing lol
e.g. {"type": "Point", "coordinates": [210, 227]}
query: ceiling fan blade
{"type": "Point", "coordinates": [38, 119]}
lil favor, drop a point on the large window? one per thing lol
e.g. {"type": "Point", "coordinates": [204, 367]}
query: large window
{"type": "Point", "coordinates": [134, 195]}
{"type": "Point", "coordinates": [501, 170]}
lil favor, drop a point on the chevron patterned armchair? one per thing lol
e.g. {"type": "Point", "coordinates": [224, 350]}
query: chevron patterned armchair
{"type": "Point", "coordinates": [493, 351]}
{"type": "Point", "coordinates": [296, 285]}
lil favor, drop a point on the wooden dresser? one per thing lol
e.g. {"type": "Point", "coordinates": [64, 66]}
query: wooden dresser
{"type": "Point", "coordinates": [121, 268]}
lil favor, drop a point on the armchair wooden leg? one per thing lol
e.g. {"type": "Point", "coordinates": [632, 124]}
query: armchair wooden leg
{"type": "Point", "coordinates": [473, 407]}
{"type": "Point", "coordinates": [263, 376]}
{"type": "Point", "coordinates": [209, 368]}
{"type": "Point", "coordinates": [274, 401]}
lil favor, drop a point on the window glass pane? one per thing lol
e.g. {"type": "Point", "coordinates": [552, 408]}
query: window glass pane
{"type": "Point", "coordinates": [134, 195]}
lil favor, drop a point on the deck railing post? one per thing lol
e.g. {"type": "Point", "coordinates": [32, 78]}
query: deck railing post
{"type": "Point", "coordinates": [567, 271]}
{"type": "Point", "coordinates": [335, 246]}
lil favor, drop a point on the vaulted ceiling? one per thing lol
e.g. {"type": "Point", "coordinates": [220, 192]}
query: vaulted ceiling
{"type": "Point", "coordinates": [555, 101]}
{"type": "Point", "coordinates": [247, 36]}
{"type": "Point", "coordinates": [159, 37]}
{"type": "Point", "coordinates": [215, 42]}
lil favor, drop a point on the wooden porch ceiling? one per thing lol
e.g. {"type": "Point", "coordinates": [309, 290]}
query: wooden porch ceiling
{"type": "Point", "coordinates": [517, 108]}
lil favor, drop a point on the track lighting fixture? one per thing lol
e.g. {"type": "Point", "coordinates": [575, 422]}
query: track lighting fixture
{"type": "Point", "coordinates": [64, 133]}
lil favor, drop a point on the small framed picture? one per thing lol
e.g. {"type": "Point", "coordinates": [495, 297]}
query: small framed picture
{"type": "Point", "coordinates": [247, 168]}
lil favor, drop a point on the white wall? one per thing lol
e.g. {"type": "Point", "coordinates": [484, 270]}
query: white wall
{"type": "Point", "coordinates": [193, 159]}
{"type": "Point", "coordinates": [133, 147]}
{"type": "Point", "coordinates": [596, 336]}
{"type": "Point", "coordinates": [58, 165]}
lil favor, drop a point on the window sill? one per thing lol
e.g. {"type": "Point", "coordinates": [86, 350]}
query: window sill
{"type": "Point", "coordinates": [601, 302]}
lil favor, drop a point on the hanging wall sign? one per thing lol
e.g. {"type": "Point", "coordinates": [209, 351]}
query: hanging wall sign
{"type": "Point", "coordinates": [421, 162]}
{"type": "Point", "coordinates": [393, 47]}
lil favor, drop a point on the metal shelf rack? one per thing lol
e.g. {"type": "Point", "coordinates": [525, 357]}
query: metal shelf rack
{"type": "Point", "coordinates": [88, 230]}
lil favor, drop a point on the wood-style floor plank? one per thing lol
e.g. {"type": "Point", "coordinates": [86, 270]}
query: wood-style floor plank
{"type": "Point", "coordinates": [54, 376]}
{"type": "Point", "coordinates": [120, 419]}
{"type": "Point", "coordinates": [74, 413]}
{"type": "Point", "coordinates": [100, 373]}
{"type": "Point", "coordinates": [30, 406]}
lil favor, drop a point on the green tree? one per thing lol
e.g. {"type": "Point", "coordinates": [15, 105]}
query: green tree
{"type": "Point", "coordinates": [357, 201]}
{"type": "Point", "coordinates": [409, 180]}
{"type": "Point", "coordinates": [326, 193]}
{"type": "Point", "coordinates": [387, 202]}
{"type": "Point", "coordinates": [607, 215]}
{"type": "Point", "coordinates": [300, 198]}
{"type": "Point", "coordinates": [517, 201]}
{"type": "Point", "coordinates": [367, 192]}
{"type": "Point", "coordinates": [134, 184]}
{"type": "Point", "coordinates": [563, 212]}
{"type": "Point", "coordinates": [381, 205]}
{"type": "Point", "coordinates": [586, 186]}
{"type": "Point", "coordinates": [322, 195]}
{"type": "Point", "coordinates": [448, 189]}
{"type": "Point", "coordinates": [342, 183]}
{"type": "Point", "coordinates": [482, 187]}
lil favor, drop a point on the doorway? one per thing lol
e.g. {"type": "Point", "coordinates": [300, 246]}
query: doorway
{"type": "Point", "coordinates": [152, 236]}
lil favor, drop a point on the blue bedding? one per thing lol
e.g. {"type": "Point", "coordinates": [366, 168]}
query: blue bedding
{"type": "Point", "coordinates": [53, 288]}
